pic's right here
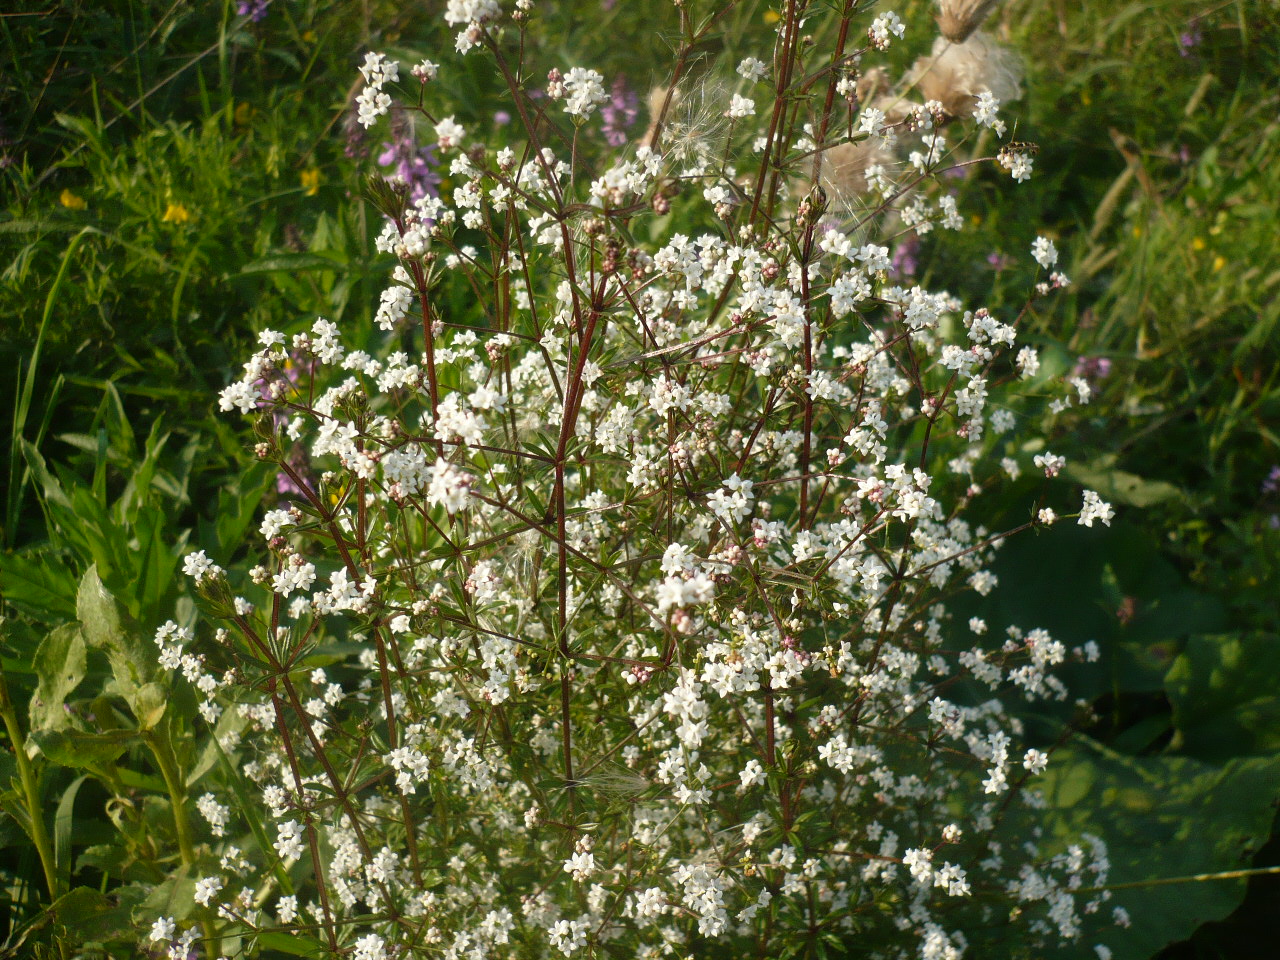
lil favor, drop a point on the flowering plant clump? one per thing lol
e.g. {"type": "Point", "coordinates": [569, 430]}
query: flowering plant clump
{"type": "Point", "coordinates": [614, 616]}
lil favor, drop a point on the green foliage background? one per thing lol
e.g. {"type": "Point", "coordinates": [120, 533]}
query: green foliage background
{"type": "Point", "coordinates": [175, 179]}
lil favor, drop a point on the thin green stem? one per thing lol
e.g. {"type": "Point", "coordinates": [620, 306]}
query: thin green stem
{"type": "Point", "coordinates": [162, 750]}
{"type": "Point", "coordinates": [30, 791]}
{"type": "Point", "coordinates": [1191, 878]}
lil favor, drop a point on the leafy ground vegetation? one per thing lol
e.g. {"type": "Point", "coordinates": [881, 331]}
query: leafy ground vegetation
{"type": "Point", "coordinates": [179, 178]}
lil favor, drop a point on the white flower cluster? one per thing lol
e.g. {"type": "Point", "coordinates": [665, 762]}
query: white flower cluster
{"type": "Point", "coordinates": [615, 615]}
{"type": "Point", "coordinates": [373, 102]}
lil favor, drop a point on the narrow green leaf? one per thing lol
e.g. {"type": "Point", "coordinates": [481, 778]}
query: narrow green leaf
{"type": "Point", "coordinates": [291, 263]}
{"type": "Point", "coordinates": [63, 826]}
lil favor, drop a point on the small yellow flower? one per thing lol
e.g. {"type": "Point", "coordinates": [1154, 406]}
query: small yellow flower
{"type": "Point", "coordinates": [71, 201]}
{"type": "Point", "coordinates": [309, 37]}
{"type": "Point", "coordinates": [772, 16]}
{"type": "Point", "coordinates": [243, 114]}
{"type": "Point", "coordinates": [1219, 262]}
{"type": "Point", "coordinates": [1198, 243]}
{"type": "Point", "coordinates": [1137, 229]}
{"type": "Point", "coordinates": [310, 182]}
{"type": "Point", "coordinates": [176, 213]}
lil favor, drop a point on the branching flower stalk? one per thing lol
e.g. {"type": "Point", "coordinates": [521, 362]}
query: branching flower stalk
{"type": "Point", "coordinates": [622, 611]}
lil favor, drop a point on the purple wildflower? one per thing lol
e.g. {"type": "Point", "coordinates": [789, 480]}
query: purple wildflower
{"type": "Point", "coordinates": [998, 261]}
{"type": "Point", "coordinates": [353, 135]}
{"type": "Point", "coordinates": [619, 112]}
{"type": "Point", "coordinates": [1092, 368]}
{"type": "Point", "coordinates": [290, 371]}
{"type": "Point", "coordinates": [1190, 39]}
{"type": "Point", "coordinates": [298, 463]}
{"type": "Point", "coordinates": [904, 257]}
{"type": "Point", "coordinates": [1272, 483]}
{"type": "Point", "coordinates": [255, 10]}
{"type": "Point", "coordinates": [413, 164]}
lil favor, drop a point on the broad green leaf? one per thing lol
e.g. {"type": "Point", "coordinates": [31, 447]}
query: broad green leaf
{"type": "Point", "coordinates": [1225, 692]}
{"type": "Point", "coordinates": [1118, 486]}
{"type": "Point", "coordinates": [1161, 818]}
{"type": "Point", "coordinates": [60, 666]}
{"type": "Point", "coordinates": [230, 723]}
{"type": "Point", "coordinates": [83, 751]}
{"type": "Point", "coordinates": [40, 584]}
{"type": "Point", "coordinates": [79, 911]}
{"type": "Point", "coordinates": [288, 943]}
{"type": "Point", "coordinates": [107, 628]}
{"type": "Point", "coordinates": [175, 897]}
{"type": "Point", "coordinates": [148, 704]}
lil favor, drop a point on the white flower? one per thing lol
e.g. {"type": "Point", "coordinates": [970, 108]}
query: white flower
{"type": "Point", "coordinates": [289, 842]}
{"type": "Point", "coordinates": [371, 104]}
{"type": "Point", "coordinates": [919, 861]}
{"type": "Point", "coordinates": [1050, 463]}
{"type": "Point", "coordinates": [986, 110]}
{"type": "Point", "coordinates": [287, 909]}
{"type": "Point", "coordinates": [162, 930]}
{"type": "Point", "coordinates": [884, 25]}
{"type": "Point", "coordinates": [569, 936]}
{"type": "Point", "coordinates": [1018, 164]}
{"type": "Point", "coordinates": [449, 487]}
{"type": "Point", "coordinates": [871, 120]}
{"type": "Point", "coordinates": [740, 107]}
{"type": "Point", "coordinates": [952, 879]}
{"type": "Point", "coordinates": [199, 567]}
{"type": "Point", "coordinates": [471, 11]}
{"type": "Point", "coordinates": [1044, 252]}
{"type": "Point", "coordinates": [273, 522]}
{"type": "Point", "coordinates": [206, 889]}
{"type": "Point", "coordinates": [1095, 508]}
{"type": "Point", "coordinates": [1028, 362]}
{"type": "Point", "coordinates": [584, 89]}
{"type": "Point", "coordinates": [449, 133]}
{"type": "Point", "coordinates": [214, 812]}
{"type": "Point", "coordinates": [370, 947]}
{"type": "Point", "coordinates": [1035, 761]}
{"type": "Point", "coordinates": [394, 304]}
{"type": "Point", "coordinates": [239, 395]}
{"type": "Point", "coordinates": [377, 70]}
{"type": "Point", "coordinates": [752, 69]}
{"type": "Point", "coordinates": [581, 865]}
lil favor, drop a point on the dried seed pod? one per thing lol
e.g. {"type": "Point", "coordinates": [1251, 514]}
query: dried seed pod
{"type": "Point", "coordinates": [844, 168]}
{"type": "Point", "coordinates": [956, 73]}
{"type": "Point", "coordinates": [958, 19]}
{"type": "Point", "coordinates": [657, 98]}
